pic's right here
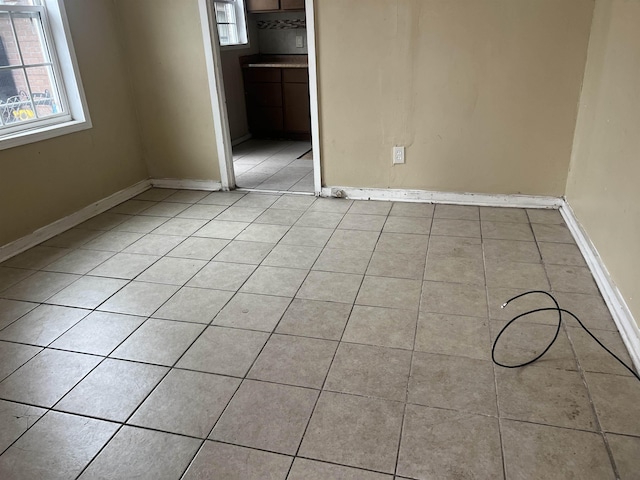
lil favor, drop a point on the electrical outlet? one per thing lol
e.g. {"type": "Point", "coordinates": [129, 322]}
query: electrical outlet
{"type": "Point", "coordinates": [398, 155]}
{"type": "Point", "coordinates": [299, 41]}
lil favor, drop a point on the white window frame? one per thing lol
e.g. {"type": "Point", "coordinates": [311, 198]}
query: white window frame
{"type": "Point", "coordinates": [241, 22]}
{"type": "Point", "coordinates": [76, 117]}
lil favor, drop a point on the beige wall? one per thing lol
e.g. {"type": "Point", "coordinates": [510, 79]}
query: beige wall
{"type": "Point", "coordinates": [164, 45]}
{"type": "Point", "coordinates": [483, 93]}
{"type": "Point", "coordinates": [603, 186]}
{"type": "Point", "coordinates": [45, 181]}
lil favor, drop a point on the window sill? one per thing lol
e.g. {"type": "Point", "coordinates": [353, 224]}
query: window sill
{"type": "Point", "coordinates": [26, 137]}
{"type": "Point", "coordinates": [242, 46]}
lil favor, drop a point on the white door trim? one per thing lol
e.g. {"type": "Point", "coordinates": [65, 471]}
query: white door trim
{"type": "Point", "coordinates": [219, 103]}
{"type": "Point", "coordinates": [216, 93]}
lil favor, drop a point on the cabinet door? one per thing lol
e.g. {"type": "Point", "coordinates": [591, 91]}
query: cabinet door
{"type": "Point", "coordinates": [262, 5]}
{"type": "Point", "coordinates": [297, 116]}
{"type": "Point", "coordinates": [292, 4]}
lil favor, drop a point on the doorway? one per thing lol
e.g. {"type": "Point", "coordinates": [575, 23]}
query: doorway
{"type": "Point", "coordinates": [264, 97]}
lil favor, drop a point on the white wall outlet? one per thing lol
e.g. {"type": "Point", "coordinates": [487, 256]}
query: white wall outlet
{"type": "Point", "coordinates": [398, 155]}
{"type": "Point", "coordinates": [299, 41]}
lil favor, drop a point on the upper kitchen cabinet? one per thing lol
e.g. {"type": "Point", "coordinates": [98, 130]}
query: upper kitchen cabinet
{"type": "Point", "coordinates": [257, 6]}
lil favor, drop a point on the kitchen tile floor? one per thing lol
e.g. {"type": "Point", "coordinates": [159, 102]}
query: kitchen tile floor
{"type": "Point", "coordinates": [273, 165]}
{"type": "Point", "coordinates": [195, 335]}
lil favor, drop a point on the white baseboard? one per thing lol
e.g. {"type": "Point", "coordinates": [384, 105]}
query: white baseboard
{"type": "Point", "coordinates": [242, 139]}
{"type": "Point", "coordinates": [208, 185]}
{"type": "Point", "coordinates": [627, 326]}
{"type": "Point", "coordinates": [480, 199]}
{"type": "Point", "coordinates": [70, 221]}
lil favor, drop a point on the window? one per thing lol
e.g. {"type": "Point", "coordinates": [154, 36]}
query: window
{"type": "Point", "coordinates": [231, 20]}
{"type": "Point", "coordinates": [36, 94]}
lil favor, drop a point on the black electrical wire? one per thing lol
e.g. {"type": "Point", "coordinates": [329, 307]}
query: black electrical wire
{"type": "Point", "coordinates": [548, 309]}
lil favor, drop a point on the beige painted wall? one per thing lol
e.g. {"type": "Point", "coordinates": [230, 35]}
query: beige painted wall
{"type": "Point", "coordinates": [603, 186]}
{"type": "Point", "coordinates": [164, 45]}
{"type": "Point", "coordinates": [483, 93]}
{"type": "Point", "coordinates": [45, 181]}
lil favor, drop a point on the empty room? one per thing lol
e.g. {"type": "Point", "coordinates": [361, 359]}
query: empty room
{"type": "Point", "coordinates": [319, 239]}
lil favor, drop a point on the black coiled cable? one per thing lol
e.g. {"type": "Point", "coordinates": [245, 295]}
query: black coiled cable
{"type": "Point", "coordinates": [549, 309]}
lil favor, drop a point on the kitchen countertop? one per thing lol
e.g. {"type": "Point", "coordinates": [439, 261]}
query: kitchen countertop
{"type": "Point", "coordinates": [275, 61]}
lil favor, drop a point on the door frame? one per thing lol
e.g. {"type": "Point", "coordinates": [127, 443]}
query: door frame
{"type": "Point", "coordinates": [219, 103]}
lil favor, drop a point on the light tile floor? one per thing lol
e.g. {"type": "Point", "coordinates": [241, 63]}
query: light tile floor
{"type": "Point", "coordinates": [273, 165]}
{"type": "Point", "coordinates": [188, 334]}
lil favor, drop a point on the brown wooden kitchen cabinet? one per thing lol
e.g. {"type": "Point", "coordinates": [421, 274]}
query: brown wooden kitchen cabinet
{"type": "Point", "coordinates": [278, 102]}
{"type": "Point", "coordinates": [257, 6]}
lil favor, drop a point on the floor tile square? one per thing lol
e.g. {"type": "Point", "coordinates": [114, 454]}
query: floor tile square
{"type": "Point", "coordinates": [356, 431]}
{"type": "Point", "coordinates": [222, 276]}
{"type": "Point", "coordinates": [455, 228]}
{"type": "Point", "coordinates": [593, 358]}
{"type": "Point", "coordinates": [139, 453]}
{"type": "Point", "coordinates": [527, 276]}
{"type": "Point", "coordinates": [87, 292]}
{"type": "Point", "coordinates": [113, 390]}
{"type": "Point", "coordinates": [160, 342]}
{"type": "Point", "coordinates": [165, 209]}
{"type": "Point", "coordinates": [43, 325]}
{"type": "Point", "coordinates": [496, 251]}
{"type": "Point", "coordinates": [11, 310]}
{"type": "Point", "coordinates": [368, 207]}
{"type": "Point", "coordinates": [278, 281]}
{"type": "Point", "coordinates": [44, 379]}
{"type": "Point", "coordinates": [344, 261]}
{"type": "Point", "coordinates": [352, 221]}
{"type": "Point", "coordinates": [198, 248]}
{"type": "Point", "coordinates": [390, 292]}
{"type": "Point", "coordinates": [104, 221]}
{"type": "Point", "coordinates": [335, 205]}
{"type": "Point", "coordinates": [240, 214]}
{"type": "Point", "coordinates": [155, 194]}
{"type": "Point", "coordinates": [453, 335]}
{"type": "Point", "coordinates": [617, 402]}
{"type": "Point", "coordinates": [454, 270]}
{"type": "Point", "coordinates": [253, 312]}
{"type": "Point", "coordinates": [304, 469]}
{"type": "Point", "coordinates": [571, 279]}
{"type": "Point", "coordinates": [277, 216]}
{"type": "Point", "coordinates": [188, 403]}
{"type": "Point", "coordinates": [45, 450]}
{"type": "Point", "coordinates": [13, 356]}
{"type": "Point", "coordinates": [124, 265]}
{"type": "Point", "coordinates": [590, 309]}
{"type": "Point", "coordinates": [237, 251]}
{"type": "Point", "coordinates": [221, 229]}
{"type": "Point", "coordinates": [16, 419]}
{"type": "Point", "coordinates": [403, 243]}
{"type": "Point", "coordinates": [36, 257]}
{"type": "Point", "coordinates": [140, 224]}
{"type": "Point", "coordinates": [502, 214]}
{"type": "Point", "coordinates": [561, 254]}
{"type": "Point", "coordinates": [319, 219]}
{"type": "Point", "coordinates": [385, 327]}
{"type": "Point", "coordinates": [416, 225]}
{"type": "Point", "coordinates": [99, 333]}
{"type": "Point", "coordinates": [266, 416]}
{"type": "Point", "coordinates": [294, 361]}
{"type": "Point", "coordinates": [78, 262]}
{"type": "Point", "coordinates": [180, 226]}
{"type": "Point", "coordinates": [507, 231]}
{"type": "Point", "coordinates": [552, 233]}
{"type": "Point", "coordinates": [307, 236]}
{"type": "Point", "coordinates": [500, 296]}
{"type": "Point", "coordinates": [153, 244]}
{"type": "Point", "coordinates": [353, 240]}
{"type": "Point", "coordinates": [40, 286]}
{"type": "Point", "coordinates": [73, 238]}
{"type": "Point", "coordinates": [310, 318]}
{"type": "Point", "coordinates": [202, 212]}
{"type": "Point", "coordinates": [11, 276]}
{"type": "Point", "coordinates": [186, 196]}
{"type": "Point", "coordinates": [257, 200]}
{"type": "Point", "coordinates": [370, 371]}
{"type": "Point", "coordinates": [198, 305]}
{"type": "Point", "coordinates": [457, 212]}
{"type": "Point", "coordinates": [292, 256]}
{"type": "Point", "coordinates": [397, 265]}
{"type": "Point", "coordinates": [226, 351]}
{"type": "Point", "coordinates": [625, 454]}
{"type": "Point", "coordinates": [172, 271]}
{"type": "Point", "coordinates": [407, 209]}
{"type": "Point", "coordinates": [454, 299]}
{"type": "Point", "coordinates": [229, 462]}
{"type": "Point", "coordinates": [112, 241]}
{"type": "Point", "coordinates": [139, 298]}
{"type": "Point", "coordinates": [465, 247]}
{"type": "Point", "coordinates": [451, 382]}
{"type": "Point", "coordinates": [263, 233]}
{"type": "Point", "coordinates": [549, 216]}
{"type": "Point", "coordinates": [132, 207]}
{"type": "Point", "coordinates": [448, 444]}
{"type": "Point", "coordinates": [330, 287]}
{"type": "Point", "coordinates": [221, 198]}
{"type": "Point", "coordinates": [553, 452]}
{"type": "Point", "coordinates": [294, 202]}
{"type": "Point", "coordinates": [545, 395]}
